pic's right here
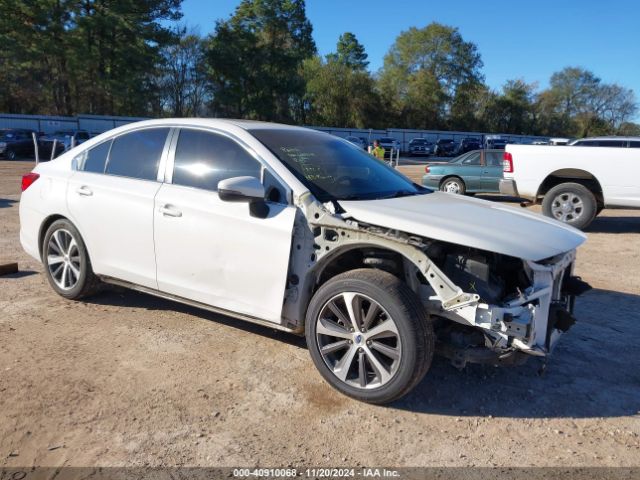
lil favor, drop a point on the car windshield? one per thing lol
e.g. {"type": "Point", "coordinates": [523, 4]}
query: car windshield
{"type": "Point", "coordinates": [7, 135]}
{"type": "Point", "coordinates": [333, 169]}
{"type": "Point", "coordinates": [446, 141]}
{"type": "Point", "coordinates": [387, 140]}
{"type": "Point", "coordinates": [419, 141]}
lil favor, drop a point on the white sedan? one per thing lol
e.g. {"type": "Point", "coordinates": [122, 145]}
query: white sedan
{"type": "Point", "coordinates": [301, 231]}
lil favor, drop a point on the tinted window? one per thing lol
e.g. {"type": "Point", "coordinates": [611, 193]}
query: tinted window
{"type": "Point", "coordinates": [473, 159]}
{"type": "Point", "coordinates": [612, 143]}
{"type": "Point", "coordinates": [137, 154]}
{"type": "Point", "coordinates": [494, 159]}
{"type": "Point", "coordinates": [83, 135]}
{"type": "Point", "coordinates": [203, 159]}
{"type": "Point", "coordinates": [96, 158]}
{"type": "Point", "coordinates": [634, 144]}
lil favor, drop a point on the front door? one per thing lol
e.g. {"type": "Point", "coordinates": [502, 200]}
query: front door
{"type": "Point", "coordinates": [216, 252]}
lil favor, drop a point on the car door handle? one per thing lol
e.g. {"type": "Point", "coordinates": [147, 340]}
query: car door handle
{"type": "Point", "coordinates": [84, 191]}
{"type": "Point", "coordinates": [168, 211]}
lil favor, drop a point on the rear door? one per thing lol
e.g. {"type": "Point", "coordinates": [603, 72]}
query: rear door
{"type": "Point", "coordinates": [217, 252]}
{"type": "Point", "coordinates": [492, 171]}
{"type": "Point", "coordinates": [111, 197]}
{"type": "Point", "coordinates": [471, 172]}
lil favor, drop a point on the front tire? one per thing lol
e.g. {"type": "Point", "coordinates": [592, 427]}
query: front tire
{"type": "Point", "coordinates": [11, 155]}
{"type": "Point", "coordinates": [66, 261]}
{"type": "Point", "coordinates": [570, 203]}
{"type": "Point", "coordinates": [369, 335]}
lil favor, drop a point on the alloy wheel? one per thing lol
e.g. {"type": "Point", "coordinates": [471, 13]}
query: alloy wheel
{"type": "Point", "coordinates": [358, 340]}
{"type": "Point", "coordinates": [63, 259]}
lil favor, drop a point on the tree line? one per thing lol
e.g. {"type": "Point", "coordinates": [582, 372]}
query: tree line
{"type": "Point", "coordinates": [133, 57]}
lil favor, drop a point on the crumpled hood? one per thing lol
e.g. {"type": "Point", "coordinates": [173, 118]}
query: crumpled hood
{"type": "Point", "coordinates": [470, 222]}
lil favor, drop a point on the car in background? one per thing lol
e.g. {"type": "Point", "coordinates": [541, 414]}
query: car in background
{"type": "Point", "coordinates": [478, 171]}
{"type": "Point", "coordinates": [389, 144]}
{"type": "Point", "coordinates": [445, 147]}
{"type": "Point", "coordinates": [468, 144]}
{"type": "Point", "coordinates": [64, 140]}
{"type": "Point", "coordinates": [357, 141]}
{"type": "Point", "coordinates": [420, 146]}
{"type": "Point", "coordinates": [619, 142]}
{"type": "Point", "coordinates": [496, 143]}
{"type": "Point", "coordinates": [15, 143]}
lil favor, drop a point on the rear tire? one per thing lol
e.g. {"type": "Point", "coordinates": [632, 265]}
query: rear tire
{"type": "Point", "coordinates": [66, 261]}
{"type": "Point", "coordinates": [570, 203]}
{"type": "Point", "coordinates": [391, 349]}
{"type": "Point", "coordinates": [453, 185]}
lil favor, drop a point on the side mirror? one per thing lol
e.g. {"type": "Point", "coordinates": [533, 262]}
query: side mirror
{"type": "Point", "coordinates": [241, 189]}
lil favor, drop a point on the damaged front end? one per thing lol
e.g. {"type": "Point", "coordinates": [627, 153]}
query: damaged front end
{"type": "Point", "coordinates": [523, 309]}
{"type": "Point", "coordinates": [486, 307]}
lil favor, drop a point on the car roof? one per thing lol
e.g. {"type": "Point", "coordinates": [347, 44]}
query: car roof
{"type": "Point", "coordinates": [611, 137]}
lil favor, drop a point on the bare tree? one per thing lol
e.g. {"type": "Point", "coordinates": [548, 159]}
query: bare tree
{"type": "Point", "coordinates": [183, 80]}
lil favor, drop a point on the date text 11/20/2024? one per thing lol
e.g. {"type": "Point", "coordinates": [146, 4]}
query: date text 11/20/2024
{"type": "Point", "coordinates": [316, 472]}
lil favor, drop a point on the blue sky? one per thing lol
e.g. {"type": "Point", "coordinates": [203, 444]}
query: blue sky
{"type": "Point", "coordinates": [517, 39]}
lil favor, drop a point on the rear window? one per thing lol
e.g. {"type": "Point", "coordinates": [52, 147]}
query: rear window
{"type": "Point", "coordinates": [137, 154]}
{"type": "Point", "coordinates": [96, 158]}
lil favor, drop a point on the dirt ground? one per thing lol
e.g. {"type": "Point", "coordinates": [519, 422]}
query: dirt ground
{"type": "Point", "coordinates": [129, 379]}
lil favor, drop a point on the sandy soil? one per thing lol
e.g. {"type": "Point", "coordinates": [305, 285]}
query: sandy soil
{"type": "Point", "coordinates": [128, 379]}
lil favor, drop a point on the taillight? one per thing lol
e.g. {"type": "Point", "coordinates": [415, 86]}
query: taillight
{"type": "Point", "coordinates": [28, 179]}
{"type": "Point", "coordinates": [507, 162]}
{"type": "Point", "coordinates": [426, 169]}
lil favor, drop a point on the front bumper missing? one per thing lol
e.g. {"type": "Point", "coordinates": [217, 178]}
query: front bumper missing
{"type": "Point", "coordinates": [530, 323]}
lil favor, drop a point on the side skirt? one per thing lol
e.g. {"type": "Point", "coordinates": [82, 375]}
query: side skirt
{"type": "Point", "coordinates": [203, 306]}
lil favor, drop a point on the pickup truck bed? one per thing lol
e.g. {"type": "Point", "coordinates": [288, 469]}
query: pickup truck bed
{"type": "Point", "coordinates": [573, 183]}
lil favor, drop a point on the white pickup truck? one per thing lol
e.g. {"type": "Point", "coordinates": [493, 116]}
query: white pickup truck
{"type": "Point", "coordinates": [573, 183]}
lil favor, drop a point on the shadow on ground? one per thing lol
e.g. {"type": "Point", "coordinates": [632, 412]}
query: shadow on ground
{"type": "Point", "coordinates": [20, 274]}
{"type": "Point", "coordinates": [615, 225]}
{"type": "Point", "coordinates": [121, 297]}
{"type": "Point", "coordinates": [593, 372]}
{"type": "Point", "coordinates": [5, 202]}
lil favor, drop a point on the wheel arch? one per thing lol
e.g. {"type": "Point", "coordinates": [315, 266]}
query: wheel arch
{"type": "Point", "coordinates": [573, 175]}
{"type": "Point", "coordinates": [44, 226]}
{"type": "Point", "coordinates": [452, 175]}
{"type": "Point", "coordinates": [348, 257]}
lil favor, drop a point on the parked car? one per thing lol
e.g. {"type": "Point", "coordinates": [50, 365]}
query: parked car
{"type": "Point", "coordinates": [620, 142]}
{"type": "Point", "coordinates": [15, 143]}
{"type": "Point", "coordinates": [478, 171]}
{"type": "Point", "coordinates": [467, 145]}
{"type": "Point", "coordinates": [445, 147]}
{"type": "Point", "coordinates": [420, 146]}
{"type": "Point", "coordinates": [357, 141]}
{"type": "Point", "coordinates": [573, 183]}
{"type": "Point", "coordinates": [64, 139]}
{"type": "Point", "coordinates": [495, 143]}
{"type": "Point", "coordinates": [295, 230]}
{"type": "Point", "coordinates": [389, 144]}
